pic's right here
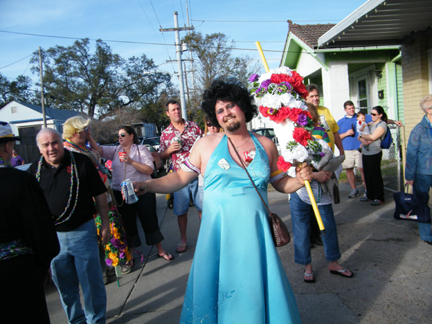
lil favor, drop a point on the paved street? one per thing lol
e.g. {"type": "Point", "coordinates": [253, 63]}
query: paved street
{"type": "Point", "coordinates": [392, 266]}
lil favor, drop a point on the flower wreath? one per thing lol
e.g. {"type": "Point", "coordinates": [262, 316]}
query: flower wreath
{"type": "Point", "coordinates": [280, 95]}
{"type": "Point", "coordinates": [116, 251]}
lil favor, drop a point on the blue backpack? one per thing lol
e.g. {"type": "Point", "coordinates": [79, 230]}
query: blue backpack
{"type": "Point", "coordinates": [387, 140]}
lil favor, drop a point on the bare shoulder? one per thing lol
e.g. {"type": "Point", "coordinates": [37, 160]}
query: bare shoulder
{"type": "Point", "coordinates": [265, 141]}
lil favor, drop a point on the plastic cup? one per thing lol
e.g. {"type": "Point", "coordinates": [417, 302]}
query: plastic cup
{"type": "Point", "coordinates": [122, 156]}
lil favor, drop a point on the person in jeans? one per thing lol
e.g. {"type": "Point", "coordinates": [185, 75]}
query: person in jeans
{"type": "Point", "coordinates": [72, 188]}
{"type": "Point", "coordinates": [418, 169]}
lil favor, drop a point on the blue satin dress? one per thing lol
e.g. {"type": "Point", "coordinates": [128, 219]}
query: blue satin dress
{"type": "Point", "coordinates": [237, 275]}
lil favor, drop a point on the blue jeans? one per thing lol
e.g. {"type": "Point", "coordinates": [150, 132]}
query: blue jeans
{"type": "Point", "coordinates": [423, 183]}
{"type": "Point", "coordinates": [300, 216]}
{"type": "Point", "coordinates": [182, 198]}
{"type": "Point", "coordinates": [78, 263]}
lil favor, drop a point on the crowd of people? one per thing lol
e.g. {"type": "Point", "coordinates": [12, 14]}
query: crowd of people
{"type": "Point", "coordinates": [69, 186]}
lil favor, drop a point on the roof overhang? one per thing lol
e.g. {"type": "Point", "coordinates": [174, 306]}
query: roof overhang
{"type": "Point", "coordinates": [380, 23]}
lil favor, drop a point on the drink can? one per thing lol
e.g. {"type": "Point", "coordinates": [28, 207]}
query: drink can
{"type": "Point", "coordinates": [128, 192]}
{"type": "Point", "coordinates": [177, 139]}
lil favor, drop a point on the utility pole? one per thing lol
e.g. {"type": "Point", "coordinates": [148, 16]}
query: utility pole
{"type": "Point", "coordinates": [190, 52]}
{"type": "Point", "coordinates": [42, 89]}
{"type": "Point", "coordinates": [177, 30]}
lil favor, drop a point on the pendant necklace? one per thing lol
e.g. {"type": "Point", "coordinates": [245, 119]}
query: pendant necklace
{"type": "Point", "coordinates": [237, 147]}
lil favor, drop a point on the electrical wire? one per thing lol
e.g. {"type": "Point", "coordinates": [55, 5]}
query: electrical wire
{"type": "Point", "coordinates": [16, 62]}
{"type": "Point", "coordinates": [259, 21]}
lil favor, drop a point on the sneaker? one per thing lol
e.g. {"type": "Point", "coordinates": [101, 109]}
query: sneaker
{"type": "Point", "coordinates": [363, 199]}
{"type": "Point", "coordinates": [125, 269]}
{"type": "Point", "coordinates": [377, 202]}
{"type": "Point", "coordinates": [110, 271]}
{"type": "Point", "coordinates": [353, 193]}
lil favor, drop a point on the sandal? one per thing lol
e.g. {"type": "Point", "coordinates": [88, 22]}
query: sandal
{"type": "Point", "coordinates": [341, 273]}
{"type": "Point", "coordinates": [309, 276]}
{"type": "Point", "coordinates": [181, 247]}
{"type": "Point", "coordinates": [166, 256]}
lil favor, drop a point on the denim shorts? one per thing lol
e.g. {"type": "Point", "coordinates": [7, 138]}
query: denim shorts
{"type": "Point", "coordinates": [183, 197]}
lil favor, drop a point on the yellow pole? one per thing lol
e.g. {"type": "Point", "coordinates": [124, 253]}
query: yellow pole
{"type": "Point", "coordinates": [314, 206]}
{"type": "Point", "coordinates": [258, 45]}
{"type": "Point", "coordinates": [307, 184]}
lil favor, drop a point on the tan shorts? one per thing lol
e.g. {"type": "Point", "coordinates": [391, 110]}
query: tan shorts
{"type": "Point", "coordinates": [352, 158]}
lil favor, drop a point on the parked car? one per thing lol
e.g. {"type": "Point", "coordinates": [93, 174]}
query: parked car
{"type": "Point", "coordinates": [269, 133]}
{"type": "Point", "coordinates": [153, 141]}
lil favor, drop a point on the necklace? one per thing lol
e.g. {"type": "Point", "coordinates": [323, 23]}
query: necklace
{"type": "Point", "coordinates": [89, 153]}
{"type": "Point", "coordinates": [5, 164]}
{"type": "Point", "coordinates": [237, 147]}
{"type": "Point", "coordinates": [74, 171]}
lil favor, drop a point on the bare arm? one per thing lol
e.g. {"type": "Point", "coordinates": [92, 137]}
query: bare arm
{"type": "Point", "coordinates": [349, 132]}
{"type": "Point", "coordinates": [174, 147]}
{"type": "Point", "coordinates": [378, 132]}
{"type": "Point", "coordinates": [93, 143]}
{"type": "Point", "coordinates": [167, 184]}
{"type": "Point", "coordinates": [338, 143]}
{"type": "Point", "coordinates": [102, 207]}
{"type": "Point", "coordinates": [143, 168]}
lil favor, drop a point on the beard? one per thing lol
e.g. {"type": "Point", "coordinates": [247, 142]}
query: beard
{"type": "Point", "coordinates": [233, 127]}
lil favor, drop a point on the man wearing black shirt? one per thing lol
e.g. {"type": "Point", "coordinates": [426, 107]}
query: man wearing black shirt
{"type": "Point", "coordinates": [70, 182]}
{"type": "Point", "coordinates": [28, 241]}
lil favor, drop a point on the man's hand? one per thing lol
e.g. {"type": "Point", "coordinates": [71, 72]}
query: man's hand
{"type": "Point", "coordinates": [174, 147]}
{"type": "Point", "coordinates": [350, 132]}
{"type": "Point", "coordinates": [322, 176]}
{"type": "Point", "coordinates": [105, 233]}
{"type": "Point", "coordinates": [399, 123]}
{"type": "Point", "coordinates": [157, 160]}
{"type": "Point", "coordinates": [140, 188]}
{"type": "Point", "coordinates": [410, 182]}
{"type": "Point", "coordinates": [304, 173]}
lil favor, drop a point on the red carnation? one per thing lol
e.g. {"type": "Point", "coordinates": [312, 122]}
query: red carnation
{"type": "Point", "coordinates": [263, 110]}
{"type": "Point", "coordinates": [281, 115]}
{"type": "Point", "coordinates": [294, 113]}
{"type": "Point", "coordinates": [283, 165]}
{"type": "Point", "coordinates": [301, 136]}
{"type": "Point", "coordinates": [279, 78]}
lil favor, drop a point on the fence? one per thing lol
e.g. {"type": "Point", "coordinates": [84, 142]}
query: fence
{"type": "Point", "coordinates": [391, 164]}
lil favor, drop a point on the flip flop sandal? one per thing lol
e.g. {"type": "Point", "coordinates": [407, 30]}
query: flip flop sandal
{"type": "Point", "coordinates": [181, 247]}
{"type": "Point", "coordinates": [340, 273]}
{"type": "Point", "coordinates": [166, 256]}
{"type": "Point", "coordinates": [309, 275]}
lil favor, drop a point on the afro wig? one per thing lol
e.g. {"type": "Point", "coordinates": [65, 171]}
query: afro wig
{"type": "Point", "coordinates": [230, 90]}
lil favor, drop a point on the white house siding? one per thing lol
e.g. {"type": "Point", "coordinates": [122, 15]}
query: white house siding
{"type": "Point", "coordinates": [336, 88]}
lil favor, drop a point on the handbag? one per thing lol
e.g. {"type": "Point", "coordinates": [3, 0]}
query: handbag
{"type": "Point", "coordinates": [413, 207]}
{"type": "Point", "coordinates": [278, 229]}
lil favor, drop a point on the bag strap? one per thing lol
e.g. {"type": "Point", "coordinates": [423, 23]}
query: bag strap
{"type": "Point", "coordinates": [253, 183]}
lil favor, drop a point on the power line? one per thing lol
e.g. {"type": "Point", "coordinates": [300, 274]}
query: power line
{"type": "Point", "coordinates": [142, 43]}
{"type": "Point", "coordinates": [16, 62]}
{"type": "Point", "coordinates": [258, 21]}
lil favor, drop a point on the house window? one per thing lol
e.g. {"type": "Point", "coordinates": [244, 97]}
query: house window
{"type": "Point", "coordinates": [362, 92]}
{"type": "Point", "coordinates": [14, 110]}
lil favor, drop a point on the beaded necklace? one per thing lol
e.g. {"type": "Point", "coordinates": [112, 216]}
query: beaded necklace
{"type": "Point", "coordinates": [5, 164]}
{"type": "Point", "coordinates": [99, 166]}
{"type": "Point", "coordinates": [74, 171]}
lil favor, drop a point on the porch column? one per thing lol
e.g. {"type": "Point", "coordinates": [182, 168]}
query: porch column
{"type": "Point", "coordinates": [335, 88]}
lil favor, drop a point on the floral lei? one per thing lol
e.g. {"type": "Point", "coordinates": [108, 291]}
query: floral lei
{"type": "Point", "coordinates": [280, 95]}
{"type": "Point", "coordinates": [74, 171]}
{"type": "Point", "coordinates": [116, 251]}
{"type": "Point", "coordinates": [5, 164]}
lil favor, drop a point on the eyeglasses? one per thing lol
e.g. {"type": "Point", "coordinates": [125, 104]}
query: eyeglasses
{"type": "Point", "coordinates": [374, 114]}
{"type": "Point", "coordinates": [210, 125]}
{"type": "Point", "coordinates": [86, 129]}
{"type": "Point", "coordinates": [122, 135]}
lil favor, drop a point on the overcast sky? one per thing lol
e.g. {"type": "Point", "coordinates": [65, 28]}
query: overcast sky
{"type": "Point", "coordinates": [140, 20]}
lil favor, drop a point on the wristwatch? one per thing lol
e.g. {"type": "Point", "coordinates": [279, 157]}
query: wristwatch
{"type": "Point", "coordinates": [360, 135]}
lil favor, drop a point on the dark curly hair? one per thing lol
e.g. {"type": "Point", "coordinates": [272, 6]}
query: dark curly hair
{"type": "Point", "coordinates": [230, 90]}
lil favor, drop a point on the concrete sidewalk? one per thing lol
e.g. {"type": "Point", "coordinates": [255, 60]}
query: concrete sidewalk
{"type": "Point", "coordinates": [392, 282]}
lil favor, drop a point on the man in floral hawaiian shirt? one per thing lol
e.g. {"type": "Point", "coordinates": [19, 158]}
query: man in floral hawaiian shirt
{"type": "Point", "coordinates": [187, 132]}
